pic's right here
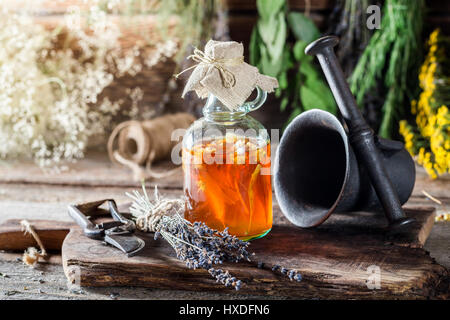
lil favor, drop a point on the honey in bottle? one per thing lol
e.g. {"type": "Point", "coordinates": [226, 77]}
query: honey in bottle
{"type": "Point", "coordinates": [226, 167]}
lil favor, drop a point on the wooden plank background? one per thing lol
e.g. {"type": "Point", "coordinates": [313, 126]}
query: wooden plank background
{"type": "Point", "coordinates": [243, 14]}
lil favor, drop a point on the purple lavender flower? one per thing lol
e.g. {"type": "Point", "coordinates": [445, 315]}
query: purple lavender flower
{"type": "Point", "coordinates": [194, 243]}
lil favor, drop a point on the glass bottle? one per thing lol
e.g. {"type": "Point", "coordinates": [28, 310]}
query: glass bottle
{"type": "Point", "coordinates": [226, 167]}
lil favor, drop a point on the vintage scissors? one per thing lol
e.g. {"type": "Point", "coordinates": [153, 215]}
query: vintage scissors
{"type": "Point", "coordinates": [118, 233]}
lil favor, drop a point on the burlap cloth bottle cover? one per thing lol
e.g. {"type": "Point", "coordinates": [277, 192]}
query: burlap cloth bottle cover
{"type": "Point", "coordinates": [221, 71]}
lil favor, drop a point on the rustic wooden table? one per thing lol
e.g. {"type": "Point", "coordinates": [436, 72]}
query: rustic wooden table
{"type": "Point", "coordinates": [26, 192]}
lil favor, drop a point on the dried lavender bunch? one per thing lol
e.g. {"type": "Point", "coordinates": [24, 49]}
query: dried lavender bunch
{"type": "Point", "coordinates": [194, 243]}
{"type": "Point", "coordinates": [292, 274]}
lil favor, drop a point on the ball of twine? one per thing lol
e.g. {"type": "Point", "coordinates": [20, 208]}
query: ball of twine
{"type": "Point", "coordinates": [138, 144]}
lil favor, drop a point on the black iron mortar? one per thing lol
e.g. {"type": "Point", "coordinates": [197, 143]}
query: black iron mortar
{"type": "Point", "coordinates": [320, 168]}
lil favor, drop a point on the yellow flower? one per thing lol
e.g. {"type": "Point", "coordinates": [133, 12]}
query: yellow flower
{"type": "Point", "coordinates": [413, 106]}
{"type": "Point", "coordinates": [432, 119]}
{"type": "Point", "coordinates": [408, 136]}
{"type": "Point", "coordinates": [447, 144]}
{"type": "Point", "coordinates": [442, 217]}
{"type": "Point", "coordinates": [433, 37]}
{"type": "Point", "coordinates": [433, 49]}
{"type": "Point", "coordinates": [421, 155]}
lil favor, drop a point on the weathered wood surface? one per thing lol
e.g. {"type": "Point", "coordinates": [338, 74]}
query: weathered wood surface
{"type": "Point", "coordinates": [331, 264]}
{"type": "Point", "coordinates": [27, 193]}
{"type": "Point", "coordinates": [51, 234]}
{"type": "Point", "coordinates": [49, 282]}
{"type": "Point", "coordinates": [94, 170]}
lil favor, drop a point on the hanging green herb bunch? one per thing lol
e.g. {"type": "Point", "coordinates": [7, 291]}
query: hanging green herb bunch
{"type": "Point", "coordinates": [429, 138]}
{"type": "Point", "coordinates": [348, 22]}
{"type": "Point", "coordinates": [390, 62]}
{"type": "Point", "coordinates": [301, 84]}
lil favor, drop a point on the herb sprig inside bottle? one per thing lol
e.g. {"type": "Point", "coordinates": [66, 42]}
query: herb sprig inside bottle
{"type": "Point", "coordinates": [194, 243]}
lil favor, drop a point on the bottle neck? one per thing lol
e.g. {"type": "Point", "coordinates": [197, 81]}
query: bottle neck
{"type": "Point", "coordinates": [215, 110]}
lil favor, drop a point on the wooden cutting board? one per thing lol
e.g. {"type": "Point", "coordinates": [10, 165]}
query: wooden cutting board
{"type": "Point", "coordinates": [340, 259]}
{"type": "Point", "coordinates": [52, 234]}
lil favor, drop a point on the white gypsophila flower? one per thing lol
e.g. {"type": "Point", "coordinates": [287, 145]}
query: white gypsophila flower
{"type": "Point", "coordinates": [50, 102]}
{"type": "Point", "coordinates": [45, 110]}
{"type": "Point", "coordinates": [164, 50]}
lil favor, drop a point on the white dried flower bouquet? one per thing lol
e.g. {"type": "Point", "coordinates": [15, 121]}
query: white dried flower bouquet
{"type": "Point", "coordinates": [51, 81]}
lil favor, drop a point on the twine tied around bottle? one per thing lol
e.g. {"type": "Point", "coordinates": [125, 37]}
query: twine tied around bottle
{"type": "Point", "coordinates": [228, 78]}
